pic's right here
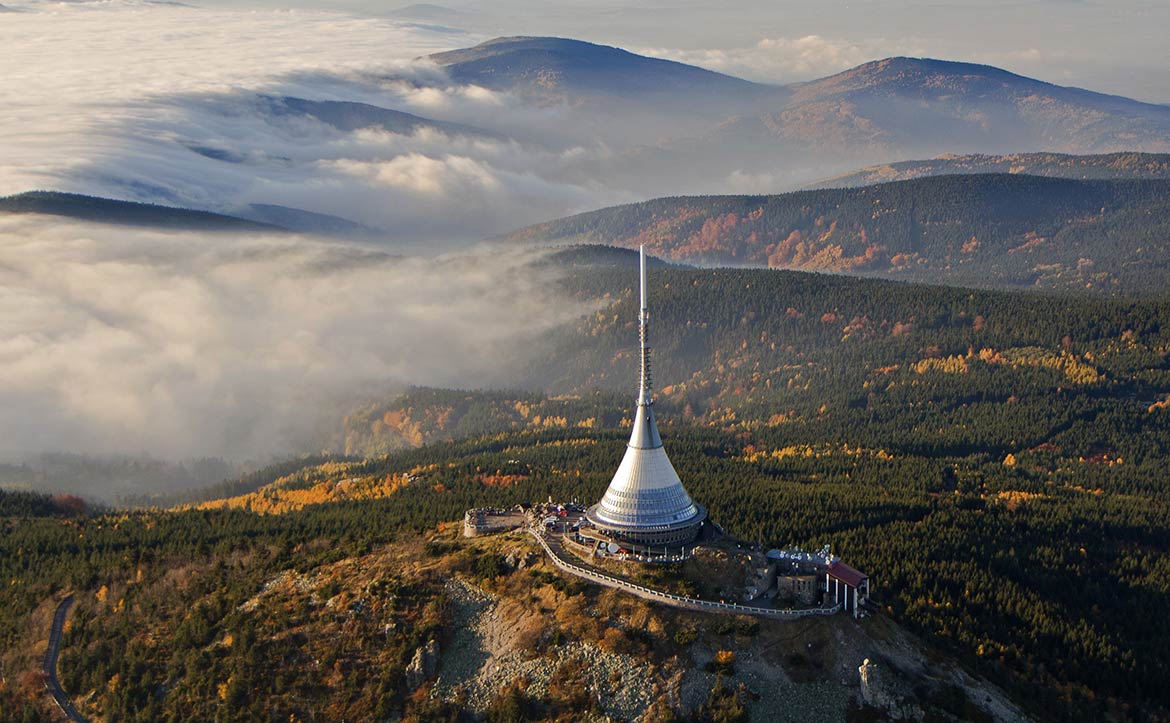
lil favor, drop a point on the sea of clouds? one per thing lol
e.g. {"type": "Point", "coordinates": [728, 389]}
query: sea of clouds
{"type": "Point", "coordinates": [181, 345]}
{"type": "Point", "coordinates": [111, 98]}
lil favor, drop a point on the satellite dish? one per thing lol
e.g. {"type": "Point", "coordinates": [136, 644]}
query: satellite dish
{"type": "Point", "coordinates": [612, 548]}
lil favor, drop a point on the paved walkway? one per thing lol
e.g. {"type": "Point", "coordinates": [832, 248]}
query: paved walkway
{"type": "Point", "coordinates": [50, 665]}
{"type": "Point", "coordinates": [678, 601]}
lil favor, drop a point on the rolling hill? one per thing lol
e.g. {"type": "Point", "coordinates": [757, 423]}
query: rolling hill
{"type": "Point", "coordinates": [126, 213]}
{"type": "Point", "coordinates": [797, 354]}
{"type": "Point", "coordinates": [903, 105]}
{"type": "Point", "coordinates": [898, 108]}
{"type": "Point", "coordinates": [564, 68]}
{"type": "Point", "coordinates": [991, 230]}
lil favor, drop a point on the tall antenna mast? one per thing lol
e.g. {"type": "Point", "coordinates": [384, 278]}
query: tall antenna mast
{"type": "Point", "coordinates": [643, 334]}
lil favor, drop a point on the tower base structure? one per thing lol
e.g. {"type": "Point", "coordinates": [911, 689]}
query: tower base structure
{"type": "Point", "coordinates": [650, 536]}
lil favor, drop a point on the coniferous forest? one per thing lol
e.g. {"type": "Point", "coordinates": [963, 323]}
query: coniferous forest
{"type": "Point", "coordinates": [994, 461]}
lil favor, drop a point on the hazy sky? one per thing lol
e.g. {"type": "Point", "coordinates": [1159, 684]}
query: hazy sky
{"type": "Point", "coordinates": [1116, 46]}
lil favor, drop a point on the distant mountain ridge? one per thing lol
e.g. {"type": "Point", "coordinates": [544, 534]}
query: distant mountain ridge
{"type": "Point", "coordinates": [697, 131]}
{"type": "Point", "coordinates": [561, 65]}
{"type": "Point", "coordinates": [898, 108]}
{"type": "Point", "coordinates": [1055, 165]}
{"type": "Point", "coordinates": [606, 94]}
{"type": "Point", "coordinates": [127, 213]}
{"type": "Point", "coordinates": [990, 230]}
{"type": "Point", "coordinates": [903, 104]}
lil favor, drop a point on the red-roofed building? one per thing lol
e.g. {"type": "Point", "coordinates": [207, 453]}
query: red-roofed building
{"type": "Point", "coordinates": [840, 579]}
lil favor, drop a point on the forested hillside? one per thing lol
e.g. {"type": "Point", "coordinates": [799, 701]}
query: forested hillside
{"type": "Point", "coordinates": [991, 230]}
{"type": "Point", "coordinates": [1055, 165]}
{"type": "Point", "coordinates": [994, 461]}
{"type": "Point", "coordinates": [760, 348]}
{"type": "Point", "coordinates": [427, 415]}
{"type": "Point", "coordinates": [1045, 574]}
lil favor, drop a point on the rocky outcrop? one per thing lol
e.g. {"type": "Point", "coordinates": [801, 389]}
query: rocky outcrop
{"type": "Point", "coordinates": [423, 665]}
{"type": "Point", "coordinates": [881, 689]}
{"type": "Point", "coordinates": [518, 560]}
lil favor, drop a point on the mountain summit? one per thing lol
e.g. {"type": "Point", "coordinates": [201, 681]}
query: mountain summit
{"type": "Point", "coordinates": [904, 106]}
{"type": "Point", "coordinates": [561, 66]}
{"type": "Point", "coordinates": [671, 118]}
{"type": "Point", "coordinates": [612, 95]}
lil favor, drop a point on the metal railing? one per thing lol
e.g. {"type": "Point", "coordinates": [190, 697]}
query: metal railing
{"type": "Point", "coordinates": [680, 601]}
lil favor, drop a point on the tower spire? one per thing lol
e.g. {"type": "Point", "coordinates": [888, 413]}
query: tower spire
{"type": "Point", "coordinates": [645, 380]}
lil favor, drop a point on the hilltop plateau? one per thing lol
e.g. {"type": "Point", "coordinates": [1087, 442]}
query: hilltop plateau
{"type": "Point", "coordinates": [435, 627]}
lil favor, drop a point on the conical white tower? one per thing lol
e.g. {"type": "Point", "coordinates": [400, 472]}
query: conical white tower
{"type": "Point", "coordinates": [645, 502]}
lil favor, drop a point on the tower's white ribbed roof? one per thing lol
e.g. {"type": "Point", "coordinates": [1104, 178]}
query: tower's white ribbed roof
{"type": "Point", "coordinates": [645, 492]}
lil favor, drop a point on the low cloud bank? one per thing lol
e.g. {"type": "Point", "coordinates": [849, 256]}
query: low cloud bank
{"type": "Point", "coordinates": [182, 345]}
{"type": "Point", "coordinates": [163, 111]}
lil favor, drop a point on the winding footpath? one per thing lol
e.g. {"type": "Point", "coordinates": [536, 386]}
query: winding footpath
{"type": "Point", "coordinates": [678, 601]}
{"type": "Point", "coordinates": [50, 665]}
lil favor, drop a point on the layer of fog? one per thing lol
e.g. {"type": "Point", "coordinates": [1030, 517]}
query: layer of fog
{"type": "Point", "coordinates": [110, 98]}
{"type": "Point", "coordinates": [157, 89]}
{"type": "Point", "coordinates": [185, 345]}
{"type": "Point", "coordinates": [170, 105]}
{"type": "Point", "coordinates": [121, 344]}
{"type": "Point", "coordinates": [155, 83]}
{"type": "Point", "coordinates": [428, 186]}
